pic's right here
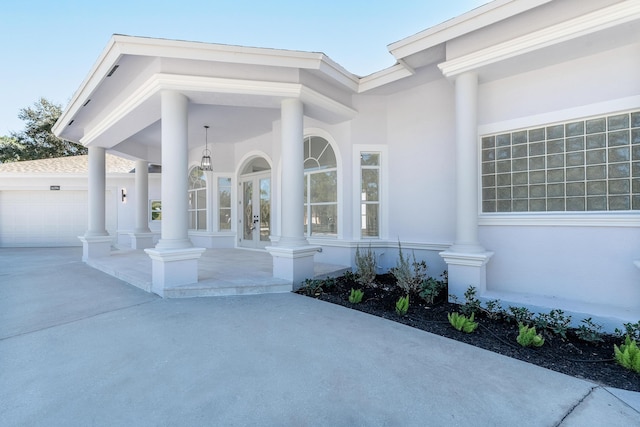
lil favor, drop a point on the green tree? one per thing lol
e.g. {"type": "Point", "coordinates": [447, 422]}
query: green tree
{"type": "Point", "coordinates": [37, 141]}
{"type": "Point", "coordinates": [10, 149]}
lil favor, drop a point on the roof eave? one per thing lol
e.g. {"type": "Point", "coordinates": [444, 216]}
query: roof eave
{"type": "Point", "coordinates": [473, 20]}
{"type": "Point", "coordinates": [120, 45]}
{"type": "Point", "coordinates": [107, 59]}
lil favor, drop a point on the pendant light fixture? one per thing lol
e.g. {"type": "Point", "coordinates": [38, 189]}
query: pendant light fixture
{"type": "Point", "coordinates": [205, 164]}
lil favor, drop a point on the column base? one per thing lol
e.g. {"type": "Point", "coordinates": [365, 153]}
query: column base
{"type": "Point", "coordinates": [173, 267]}
{"type": "Point", "coordinates": [465, 270]}
{"type": "Point", "coordinates": [293, 264]}
{"type": "Point", "coordinates": [95, 246]}
{"type": "Point", "coordinates": [141, 240]}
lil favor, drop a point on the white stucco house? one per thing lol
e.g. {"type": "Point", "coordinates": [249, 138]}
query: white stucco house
{"type": "Point", "coordinates": [503, 146]}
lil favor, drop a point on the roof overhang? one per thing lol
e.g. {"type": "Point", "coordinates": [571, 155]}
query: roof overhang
{"type": "Point", "coordinates": [112, 96]}
{"type": "Point", "coordinates": [582, 26]}
{"type": "Point", "coordinates": [473, 20]}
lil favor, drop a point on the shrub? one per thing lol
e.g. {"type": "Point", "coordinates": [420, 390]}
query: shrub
{"type": "Point", "coordinates": [409, 275]}
{"type": "Point", "coordinates": [555, 321]}
{"type": "Point", "coordinates": [521, 315]}
{"type": "Point", "coordinates": [628, 354]}
{"type": "Point", "coordinates": [430, 289]}
{"type": "Point", "coordinates": [630, 329]}
{"type": "Point", "coordinates": [402, 305]}
{"type": "Point", "coordinates": [462, 323]}
{"type": "Point", "coordinates": [355, 296]}
{"type": "Point", "coordinates": [471, 303]}
{"type": "Point", "coordinates": [366, 267]}
{"type": "Point", "coordinates": [589, 332]}
{"type": "Point", "coordinates": [349, 276]}
{"type": "Point", "coordinates": [311, 287]}
{"type": "Point", "coordinates": [494, 309]}
{"type": "Point", "coordinates": [528, 337]}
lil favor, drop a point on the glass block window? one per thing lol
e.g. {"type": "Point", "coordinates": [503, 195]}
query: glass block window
{"type": "Point", "coordinates": [584, 165]}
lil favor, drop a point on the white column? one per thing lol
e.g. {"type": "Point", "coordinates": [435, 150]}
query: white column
{"type": "Point", "coordinates": [292, 212]}
{"type": "Point", "coordinates": [174, 260]}
{"type": "Point", "coordinates": [466, 259]}
{"type": "Point", "coordinates": [96, 242]}
{"type": "Point", "coordinates": [175, 170]}
{"type": "Point", "coordinates": [293, 256]}
{"type": "Point", "coordinates": [142, 237]}
{"type": "Point", "coordinates": [142, 197]}
{"type": "Point", "coordinates": [97, 185]}
{"type": "Point", "coordinates": [466, 97]}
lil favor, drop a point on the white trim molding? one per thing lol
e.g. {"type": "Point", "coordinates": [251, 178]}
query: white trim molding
{"type": "Point", "coordinates": [582, 112]}
{"type": "Point", "coordinates": [181, 83]}
{"type": "Point", "coordinates": [483, 16]}
{"type": "Point", "coordinates": [573, 219]}
{"type": "Point", "coordinates": [587, 24]}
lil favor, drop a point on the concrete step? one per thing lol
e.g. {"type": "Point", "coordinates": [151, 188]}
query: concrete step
{"type": "Point", "coordinates": [221, 288]}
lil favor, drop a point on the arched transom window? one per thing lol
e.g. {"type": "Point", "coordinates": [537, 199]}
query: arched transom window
{"type": "Point", "coordinates": [197, 199]}
{"type": "Point", "coordinates": [321, 188]}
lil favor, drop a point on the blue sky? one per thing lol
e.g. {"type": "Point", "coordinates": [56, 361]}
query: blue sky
{"type": "Point", "coordinates": [48, 47]}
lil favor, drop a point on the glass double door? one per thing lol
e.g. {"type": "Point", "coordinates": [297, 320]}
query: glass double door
{"type": "Point", "coordinates": [255, 205]}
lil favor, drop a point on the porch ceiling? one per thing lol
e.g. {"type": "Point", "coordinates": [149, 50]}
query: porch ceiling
{"type": "Point", "coordinates": [228, 124]}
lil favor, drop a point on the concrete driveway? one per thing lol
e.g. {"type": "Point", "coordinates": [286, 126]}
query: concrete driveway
{"type": "Point", "coordinates": [81, 348]}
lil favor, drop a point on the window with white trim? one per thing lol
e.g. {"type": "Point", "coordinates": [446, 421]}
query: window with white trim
{"type": "Point", "coordinates": [370, 194]}
{"type": "Point", "coordinates": [197, 199]}
{"type": "Point", "coordinates": [155, 210]}
{"type": "Point", "coordinates": [584, 165]}
{"type": "Point", "coordinates": [224, 204]}
{"type": "Point", "coordinates": [320, 188]}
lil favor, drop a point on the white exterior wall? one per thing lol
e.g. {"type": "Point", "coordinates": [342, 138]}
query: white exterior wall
{"type": "Point", "coordinates": [568, 90]}
{"type": "Point", "coordinates": [127, 211]}
{"type": "Point", "coordinates": [422, 165]}
{"type": "Point", "coordinates": [588, 264]}
{"type": "Point", "coordinates": [591, 264]}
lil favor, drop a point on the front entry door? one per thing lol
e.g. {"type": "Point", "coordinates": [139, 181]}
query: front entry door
{"type": "Point", "coordinates": [255, 205]}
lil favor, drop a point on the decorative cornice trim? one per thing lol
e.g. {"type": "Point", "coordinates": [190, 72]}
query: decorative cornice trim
{"type": "Point", "coordinates": [611, 219]}
{"type": "Point", "coordinates": [383, 77]}
{"type": "Point", "coordinates": [595, 21]}
{"type": "Point", "coordinates": [181, 83]}
{"type": "Point", "coordinates": [310, 96]}
{"type": "Point", "coordinates": [483, 16]}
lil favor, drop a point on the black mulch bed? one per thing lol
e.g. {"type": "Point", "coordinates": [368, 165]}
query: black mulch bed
{"type": "Point", "coordinates": [571, 356]}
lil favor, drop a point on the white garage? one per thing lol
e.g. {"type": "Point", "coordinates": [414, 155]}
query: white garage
{"type": "Point", "coordinates": [45, 202]}
{"type": "Point", "coordinates": [42, 218]}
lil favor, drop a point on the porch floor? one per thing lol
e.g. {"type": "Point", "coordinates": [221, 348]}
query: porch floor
{"type": "Point", "coordinates": [220, 272]}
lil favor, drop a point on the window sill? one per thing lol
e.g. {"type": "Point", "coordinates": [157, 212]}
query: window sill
{"type": "Point", "coordinates": [573, 219]}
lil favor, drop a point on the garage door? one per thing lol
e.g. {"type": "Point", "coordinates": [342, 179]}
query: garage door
{"type": "Point", "coordinates": [43, 218]}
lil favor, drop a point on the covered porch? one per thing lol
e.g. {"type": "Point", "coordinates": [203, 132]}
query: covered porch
{"type": "Point", "coordinates": [154, 101]}
{"type": "Point", "coordinates": [221, 272]}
